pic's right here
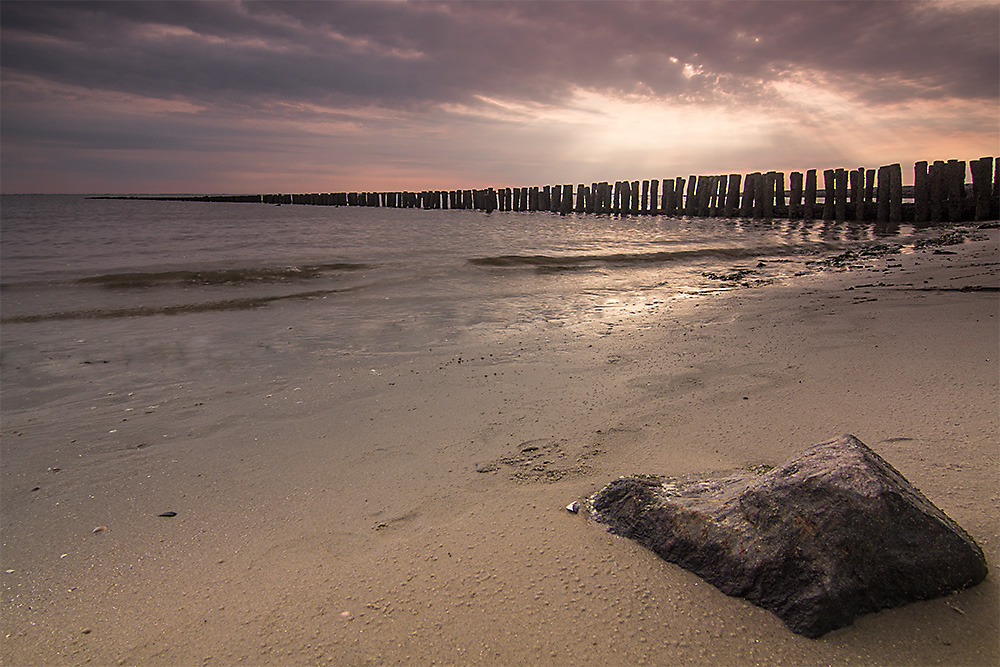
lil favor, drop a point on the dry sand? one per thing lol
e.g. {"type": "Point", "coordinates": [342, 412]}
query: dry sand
{"type": "Point", "coordinates": [408, 509]}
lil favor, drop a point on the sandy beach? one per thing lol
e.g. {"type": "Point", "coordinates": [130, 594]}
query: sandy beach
{"type": "Point", "coordinates": [408, 508]}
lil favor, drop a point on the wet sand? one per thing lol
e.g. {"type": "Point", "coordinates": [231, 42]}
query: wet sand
{"type": "Point", "coordinates": [408, 508]}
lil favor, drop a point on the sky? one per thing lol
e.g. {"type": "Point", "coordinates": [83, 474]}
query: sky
{"type": "Point", "coordinates": [250, 97]}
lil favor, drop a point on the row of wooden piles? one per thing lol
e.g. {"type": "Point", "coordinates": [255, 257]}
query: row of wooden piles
{"type": "Point", "coordinates": [939, 194]}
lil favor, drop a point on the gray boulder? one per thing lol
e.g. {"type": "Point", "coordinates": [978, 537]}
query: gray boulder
{"type": "Point", "coordinates": [832, 534]}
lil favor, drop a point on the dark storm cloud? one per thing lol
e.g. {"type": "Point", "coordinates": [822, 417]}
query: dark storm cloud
{"type": "Point", "coordinates": [415, 54]}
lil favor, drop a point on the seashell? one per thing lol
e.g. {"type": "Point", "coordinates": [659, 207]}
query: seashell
{"type": "Point", "coordinates": [573, 507]}
{"type": "Point", "coordinates": [99, 529]}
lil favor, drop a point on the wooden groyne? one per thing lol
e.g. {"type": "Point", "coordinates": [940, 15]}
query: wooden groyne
{"type": "Point", "coordinates": [940, 193]}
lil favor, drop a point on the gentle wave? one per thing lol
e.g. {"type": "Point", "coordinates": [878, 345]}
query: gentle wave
{"type": "Point", "coordinates": [266, 274]}
{"type": "Point", "coordinates": [548, 262]}
{"type": "Point", "coordinates": [203, 277]}
{"type": "Point", "coordinates": [246, 303]}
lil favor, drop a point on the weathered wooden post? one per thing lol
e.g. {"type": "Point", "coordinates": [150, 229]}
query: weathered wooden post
{"type": "Point", "coordinates": [795, 198]}
{"type": "Point", "coordinates": [828, 198]}
{"type": "Point", "coordinates": [840, 203]}
{"type": "Point", "coordinates": [668, 197]}
{"type": "Point", "coordinates": [895, 192]}
{"type": "Point", "coordinates": [679, 195]}
{"type": "Point", "coordinates": [654, 196]}
{"type": "Point", "coordinates": [691, 201]}
{"type": "Point", "coordinates": [567, 200]}
{"type": "Point", "coordinates": [780, 208]}
{"type": "Point", "coordinates": [700, 196]}
{"type": "Point", "coordinates": [810, 206]}
{"type": "Point", "coordinates": [882, 198]}
{"type": "Point", "coordinates": [921, 192]}
{"type": "Point", "coordinates": [870, 208]}
{"type": "Point", "coordinates": [982, 186]}
{"type": "Point", "coordinates": [732, 196]}
{"type": "Point", "coordinates": [995, 205]}
{"type": "Point", "coordinates": [759, 194]}
{"type": "Point", "coordinates": [858, 193]}
{"type": "Point", "coordinates": [939, 190]}
{"type": "Point", "coordinates": [746, 203]}
{"type": "Point", "coordinates": [770, 181]}
{"type": "Point", "coordinates": [956, 190]}
{"type": "Point", "coordinates": [644, 198]}
{"type": "Point", "coordinates": [634, 205]}
{"type": "Point", "coordinates": [555, 199]}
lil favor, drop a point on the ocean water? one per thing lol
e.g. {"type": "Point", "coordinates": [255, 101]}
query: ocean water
{"type": "Point", "coordinates": [153, 293]}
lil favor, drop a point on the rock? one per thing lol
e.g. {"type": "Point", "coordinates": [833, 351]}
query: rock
{"type": "Point", "coordinates": [832, 534]}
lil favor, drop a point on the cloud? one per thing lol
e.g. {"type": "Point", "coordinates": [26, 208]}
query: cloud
{"type": "Point", "coordinates": [439, 81]}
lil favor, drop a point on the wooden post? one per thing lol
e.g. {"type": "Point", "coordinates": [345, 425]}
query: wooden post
{"type": "Point", "coordinates": [869, 192]}
{"type": "Point", "coordinates": [668, 196]}
{"type": "Point", "coordinates": [732, 196]}
{"type": "Point", "coordinates": [720, 196]}
{"type": "Point", "coordinates": [634, 207]}
{"type": "Point", "coordinates": [856, 190]}
{"type": "Point", "coordinates": [780, 208]}
{"type": "Point", "coordinates": [795, 200]}
{"type": "Point", "coordinates": [895, 192]}
{"type": "Point", "coordinates": [758, 194]}
{"type": "Point", "coordinates": [882, 198]}
{"type": "Point", "coordinates": [840, 203]}
{"type": "Point", "coordinates": [679, 195]}
{"type": "Point", "coordinates": [828, 198]}
{"type": "Point", "coordinates": [936, 185]}
{"type": "Point", "coordinates": [770, 181]}
{"type": "Point", "coordinates": [654, 196]}
{"type": "Point", "coordinates": [810, 207]}
{"type": "Point", "coordinates": [567, 200]}
{"type": "Point", "coordinates": [995, 205]}
{"type": "Point", "coordinates": [956, 190]}
{"type": "Point", "coordinates": [746, 203]}
{"type": "Point", "coordinates": [982, 186]}
{"type": "Point", "coordinates": [700, 206]}
{"type": "Point", "coordinates": [860, 213]}
{"type": "Point", "coordinates": [921, 192]}
{"type": "Point", "coordinates": [644, 199]}
{"type": "Point", "coordinates": [691, 201]}
{"type": "Point", "coordinates": [555, 199]}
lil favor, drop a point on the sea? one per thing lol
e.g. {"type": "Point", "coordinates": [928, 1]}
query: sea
{"type": "Point", "coordinates": [155, 293]}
